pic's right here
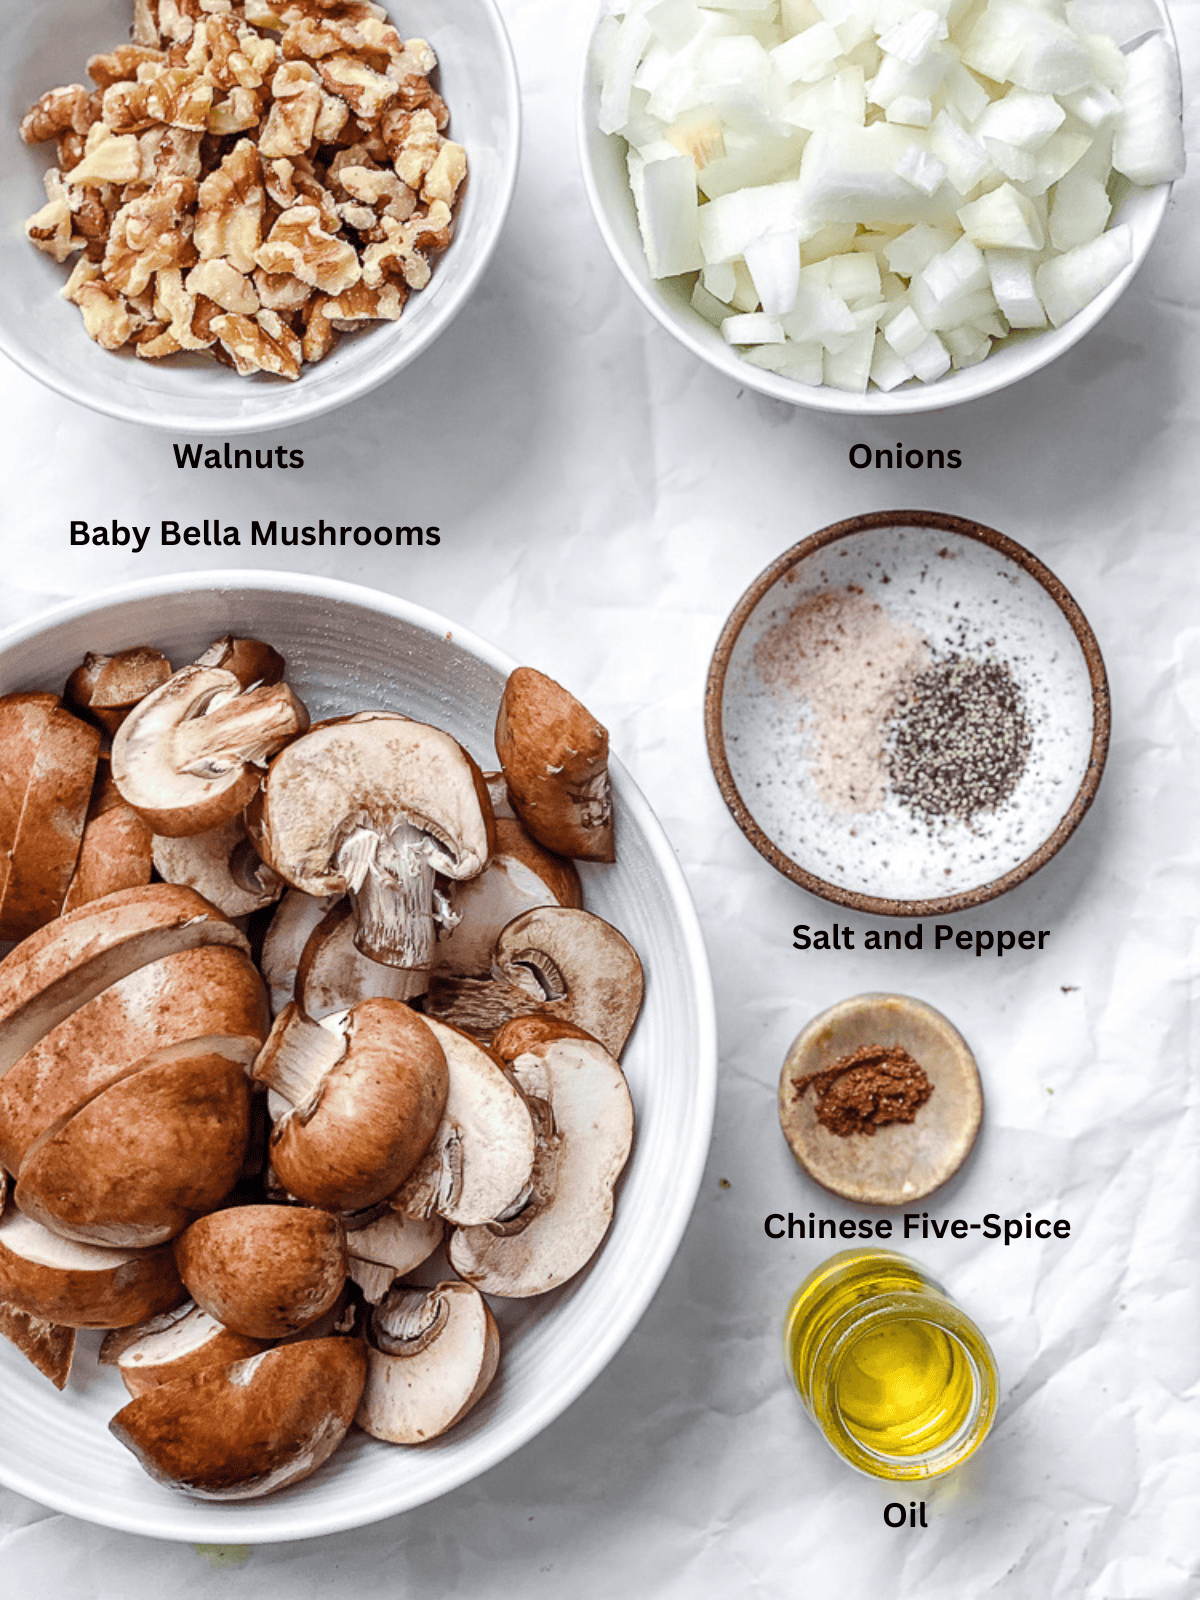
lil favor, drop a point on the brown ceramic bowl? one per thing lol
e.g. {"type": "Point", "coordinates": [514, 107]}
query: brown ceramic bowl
{"type": "Point", "coordinates": [899, 576]}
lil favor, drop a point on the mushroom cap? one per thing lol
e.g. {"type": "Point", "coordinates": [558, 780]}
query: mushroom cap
{"type": "Point", "coordinates": [334, 974]}
{"type": "Point", "coordinates": [146, 1157]}
{"type": "Point", "coordinates": [521, 874]}
{"type": "Point", "coordinates": [583, 1149]}
{"type": "Point", "coordinates": [55, 785]}
{"type": "Point", "coordinates": [188, 756]}
{"type": "Point", "coordinates": [415, 1394]}
{"type": "Point", "coordinates": [555, 759]}
{"type": "Point", "coordinates": [173, 1345]}
{"type": "Point", "coordinates": [115, 850]}
{"type": "Point", "coordinates": [65, 964]}
{"type": "Point", "coordinates": [375, 770]}
{"type": "Point", "coordinates": [236, 1432]}
{"type": "Point", "coordinates": [105, 689]}
{"type": "Point", "coordinates": [296, 915]}
{"type": "Point", "coordinates": [208, 999]}
{"type": "Point", "coordinates": [365, 1118]}
{"type": "Point", "coordinates": [82, 1285]}
{"type": "Point", "coordinates": [250, 660]}
{"type": "Point", "coordinates": [482, 1154]}
{"type": "Point", "coordinates": [222, 865]}
{"type": "Point", "coordinates": [48, 1345]}
{"type": "Point", "coordinates": [389, 1247]}
{"type": "Point", "coordinates": [266, 1271]}
{"type": "Point", "coordinates": [554, 960]}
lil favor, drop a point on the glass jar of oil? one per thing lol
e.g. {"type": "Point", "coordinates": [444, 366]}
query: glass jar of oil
{"type": "Point", "coordinates": [899, 1381]}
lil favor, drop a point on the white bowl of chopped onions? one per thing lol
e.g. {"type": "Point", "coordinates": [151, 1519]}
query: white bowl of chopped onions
{"type": "Point", "coordinates": [792, 236]}
{"type": "Point", "coordinates": [49, 45]}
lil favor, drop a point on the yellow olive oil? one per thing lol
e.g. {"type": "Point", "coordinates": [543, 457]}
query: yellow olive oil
{"type": "Point", "coordinates": [900, 1382]}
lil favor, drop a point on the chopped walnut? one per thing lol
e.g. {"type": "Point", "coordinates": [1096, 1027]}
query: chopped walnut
{"type": "Point", "coordinates": [103, 309]}
{"type": "Point", "coordinates": [260, 344]}
{"type": "Point", "coordinates": [231, 201]}
{"type": "Point", "coordinates": [298, 244]}
{"type": "Point", "coordinates": [279, 291]}
{"type": "Point", "coordinates": [108, 158]}
{"type": "Point", "coordinates": [222, 283]}
{"type": "Point", "coordinates": [58, 111]}
{"type": "Point", "coordinates": [150, 233]}
{"type": "Point", "coordinates": [250, 177]}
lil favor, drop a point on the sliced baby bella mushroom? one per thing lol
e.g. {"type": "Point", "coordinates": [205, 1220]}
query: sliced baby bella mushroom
{"type": "Point", "coordinates": [247, 1429]}
{"type": "Point", "coordinates": [173, 1345]}
{"type": "Point", "coordinates": [333, 972]}
{"type": "Point", "coordinates": [431, 1355]}
{"type": "Point", "coordinates": [48, 1345]}
{"type": "Point", "coordinates": [389, 1247]}
{"type": "Point", "coordinates": [555, 759]}
{"type": "Point", "coordinates": [365, 1089]}
{"type": "Point", "coordinates": [521, 874]}
{"type": "Point", "coordinates": [264, 1270]}
{"type": "Point", "coordinates": [55, 788]}
{"type": "Point", "coordinates": [146, 1157]}
{"type": "Point", "coordinates": [497, 790]}
{"type": "Point", "coordinates": [482, 1153]}
{"type": "Point", "coordinates": [105, 689]}
{"type": "Point", "coordinates": [296, 915]}
{"type": "Point", "coordinates": [197, 1002]}
{"type": "Point", "coordinates": [189, 756]}
{"type": "Point", "coordinates": [377, 807]}
{"type": "Point", "coordinates": [115, 850]}
{"type": "Point", "coordinates": [222, 865]}
{"type": "Point", "coordinates": [65, 964]}
{"type": "Point", "coordinates": [584, 1143]}
{"type": "Point", "coordinates": [554, 959]}
{"type": "Point", "coordinates": [82, 1285]}
{"type": "Point", "coordinates": [250, 660]}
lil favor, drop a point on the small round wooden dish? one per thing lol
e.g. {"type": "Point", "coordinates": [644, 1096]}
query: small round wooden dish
{"type": "Point", "coordinates": [901, 1162]}
{"type": "Point", "coordinates": [962, 590]}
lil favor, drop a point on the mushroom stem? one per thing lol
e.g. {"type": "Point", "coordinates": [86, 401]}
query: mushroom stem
{"type": "Point", "coordinates": [299, 1055]}
{"type": "Point", "coordinates": [235, 727]}
{"type": "Point", "coordinates": [391, 882]}
{"type": "Point", "coordinates": [408, 1321]}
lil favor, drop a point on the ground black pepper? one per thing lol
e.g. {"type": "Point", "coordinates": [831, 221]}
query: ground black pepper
{"type": "Point", "coordinates": [867, 1089]}
{"type": "Point", "coordinates": [959, 739]}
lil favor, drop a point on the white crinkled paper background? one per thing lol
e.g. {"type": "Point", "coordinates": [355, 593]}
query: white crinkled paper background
{"type": "Point", "coordinates": [604, 500]}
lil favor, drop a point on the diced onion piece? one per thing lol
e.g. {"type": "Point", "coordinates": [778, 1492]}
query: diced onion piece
{"type": "Point", "coordinates": [1002, 220]}
{"type": "Point", "coordinates": [732, 221]}
{"type": "Point", "coordinates": [1148, 139]}
{"type": "Point", "coordinates": [820, 316]}
{"type": "Point", "coordinates": [844, 94]}
{"type": "Point", "coordinates": [1028, 46]}
{"type": "Point", "coordinates": [924, 171]}
{"type": "Point", "coordinates": [1067, 283]}
{"type": "Point", "coordinates": [1079, 211]}
{"type": "Point", "coordinates": [888, 370]}
{"type": "Point", "coordinates": [963, 155]}
{"type": "Point", "coordinates": [631, 39]}
{"type": "Point", "coordinates": [709, 307]}
{"type": "Point", "coordinates": [914, 39]}
{"type": "Point", "coordinates": [664, 192]}
{"type": "Point", "coordinates": [1012, 273]}
{"type": "Point", "coordinates": [848, 174]}
{"type": "Point", "coordinates": [850, 367]}
{"type": "Point", "coordinates": [915, 248]}
{"type": "Point", "coordinates": [807, 56]}
{"type": "Point", "coordinates": [1021, 119]}
{"type": "Point", "coordinates": [774, 264]}
{"type": "Point", "coordinates": [914, 343]}
{"type": "Point", "coordinates": [752, 327]}
{"type": "Point", "coordinates": [967, 346]}
{"type": "Point", "coordinates": [720, 280]}
{"type": "Point", "coordinates": [947, 290]}
{"type": "Point", "coordinates": [805, 363]}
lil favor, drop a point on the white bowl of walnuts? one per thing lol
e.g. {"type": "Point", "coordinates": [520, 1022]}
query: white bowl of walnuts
{"type": "Point", "coordinates": [368, 673]}
{"type": "Point", "coordinates": [242, 218]}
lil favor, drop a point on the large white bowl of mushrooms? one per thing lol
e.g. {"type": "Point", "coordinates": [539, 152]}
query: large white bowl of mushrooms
{"type": "Point", "coordinates": [346, 651]}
